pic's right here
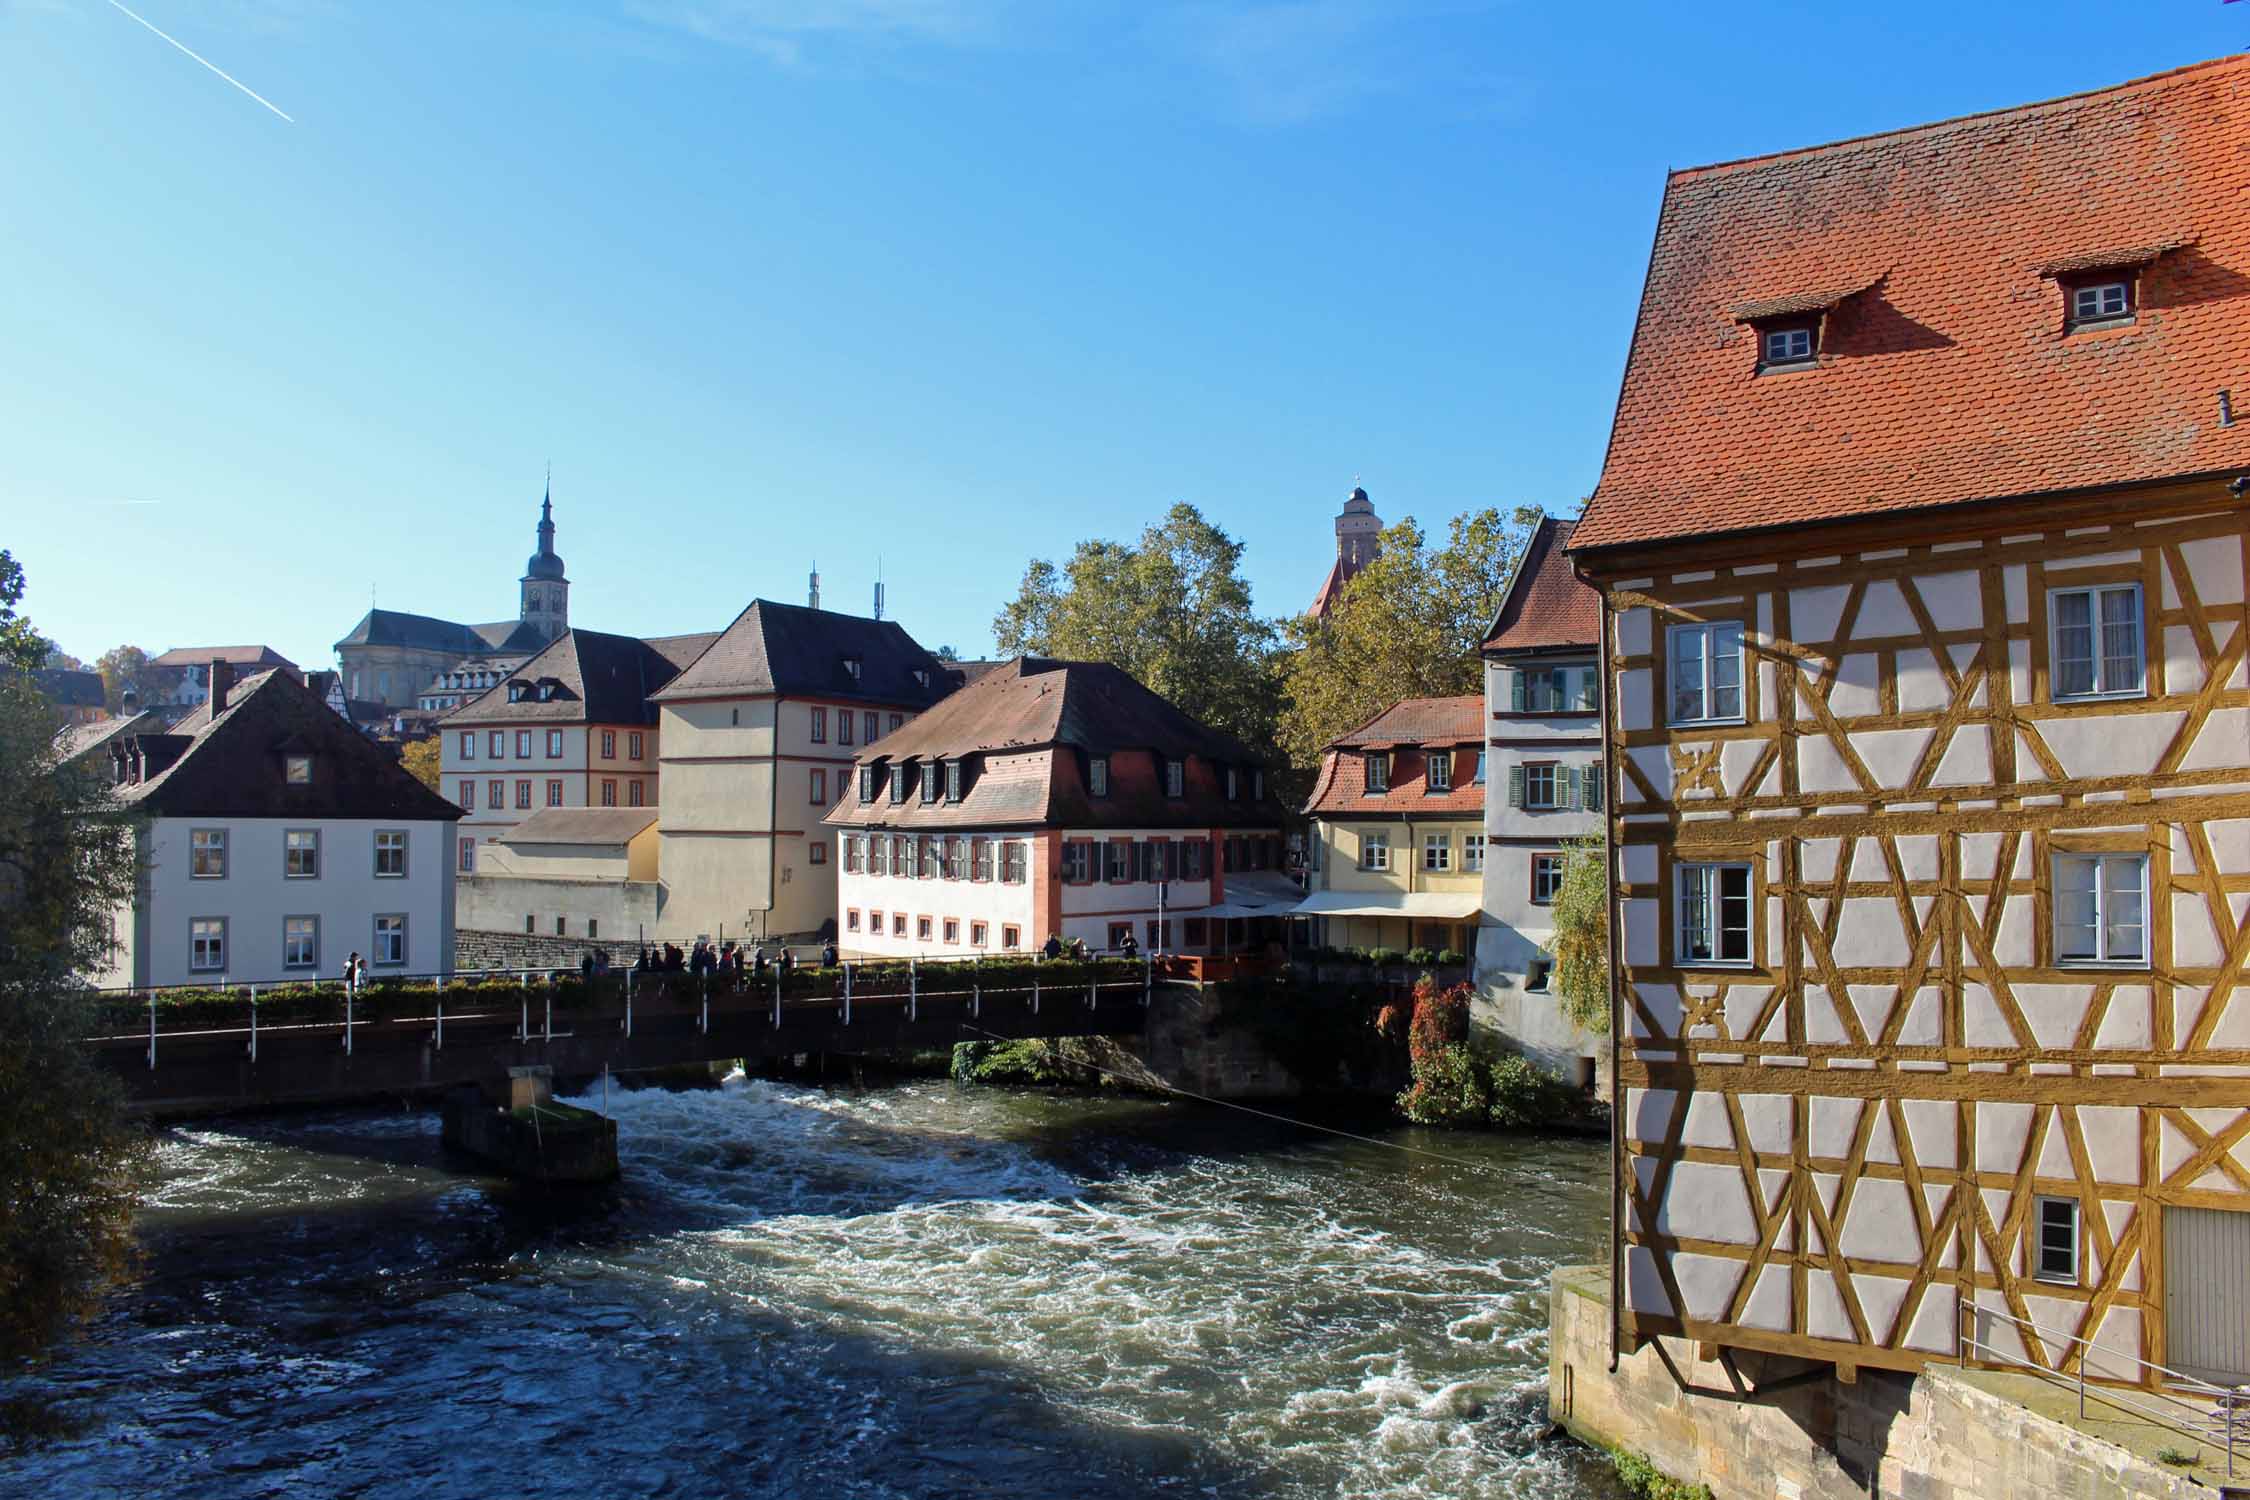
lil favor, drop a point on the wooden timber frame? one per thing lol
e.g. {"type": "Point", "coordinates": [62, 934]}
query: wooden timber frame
{"type": "Point", "coordinates": [1822, 1152]}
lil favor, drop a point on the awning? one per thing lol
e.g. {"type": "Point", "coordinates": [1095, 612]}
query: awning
{"type": "Point", "coordinates": [1256, 894]}
{"type": "Point", "coordinates": [1449, 905]}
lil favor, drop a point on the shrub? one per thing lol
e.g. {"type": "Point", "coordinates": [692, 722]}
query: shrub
{"type": "Point", "coordinates": [1420, 957]}
{"type": "Point", "coordinates": [1450, 1088]}
{"type": "Point", "coordinates": [1382, 958]}
{"type": "Point", "coordinates": [1526, 1096]}
{"type": "Point", "coordinates": [1390, 1023]}
{"type": "Point", "coordinates": [1580, 945]}
{"type": "Point", "coordinates": [1646, 1481]}
{"type": "Point", "coordinates": [1440, 1018]}
{"type": "Point", "coordinates": [1037, 1063]}
{"type": "Point", "coordinates": [1450, 958]}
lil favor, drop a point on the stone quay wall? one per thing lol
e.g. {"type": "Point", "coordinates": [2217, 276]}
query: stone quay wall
{"type": "Point", "coordinates": [1890, 1435]}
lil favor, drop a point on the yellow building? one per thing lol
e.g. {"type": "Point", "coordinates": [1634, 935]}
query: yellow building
{"type": "Point", "coordinates": [1398, 830]}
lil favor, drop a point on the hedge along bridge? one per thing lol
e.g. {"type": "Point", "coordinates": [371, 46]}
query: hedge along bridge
{"type": "Point", "coordinates": [189, 1050]}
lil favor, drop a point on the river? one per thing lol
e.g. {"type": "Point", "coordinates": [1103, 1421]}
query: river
{"type": "Point", "coordinates": [908, 1291]}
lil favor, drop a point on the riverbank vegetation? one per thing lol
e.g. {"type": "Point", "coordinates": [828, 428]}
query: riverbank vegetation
{"type": "Point", "coordinates": [69, 1161]}
{"type": "Point", "coordinates": [1458, 1086]}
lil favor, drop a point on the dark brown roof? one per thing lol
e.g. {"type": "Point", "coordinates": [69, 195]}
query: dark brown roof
{"type": "Point", "coordinates": [797, 652]}
{"type": "Point", "coordinates": [582, 825]}
{"type": "Point", "coordinates": [1028, 730]}
{"type": "Point", "coordinates": [599, 679]}
{"type": "Point", "coordinates": [237, 657]}
{"type": "Point", "coordinates": [1545, 605]}
{"type": "Point", "coordinates": [1952, 378]}
{"type": "Point", "coordinates": [70, 687]}
{"type": "Point", "coordinates": [232, 764]}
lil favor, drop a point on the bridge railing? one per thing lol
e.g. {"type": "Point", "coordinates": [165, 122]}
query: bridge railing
{"type": "Point", "coordinates": [534, 999]}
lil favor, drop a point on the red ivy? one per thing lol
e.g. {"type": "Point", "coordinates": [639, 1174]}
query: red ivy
{"type": "Point", "coordinates": [1440, 1019]}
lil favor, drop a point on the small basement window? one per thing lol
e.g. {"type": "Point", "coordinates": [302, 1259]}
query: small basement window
{"type": "Point", "coordinates": [2057, 1247]}
{"type": "Point", "coordinates": [1782, 347]}
{"type": "Point", "coordinates": [2101, 302]}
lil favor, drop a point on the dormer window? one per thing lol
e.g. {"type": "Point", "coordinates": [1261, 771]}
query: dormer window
{"type": "Point", "coordinates": [1440, 778]}
{"type": "Point", "coordinates": [953, 780]}
{"type": "Point", "coordinates": [2106, 301]}
{"type": "Point", "coordinates": [297, 770]}
{"type": "Point", "coordinates": [1378, 771]}
{"type": "Point", "coordinates": [517, 692]}
{"type": "Point", "coordinates": [1786, 345]}
{"type": "Point", "coordinates": [867, 775]}
{"type": "Point", "coordinates": [1175, 779]}
{"type": "Point", "coordinates": [931, 769]}
{"type": "Point", "coordinates": [851, 668]}
{"type": "Point", "coordinates": [922, 676]}
{"type": "Point", "coordinates": [1097, 776]}
{"type": "Point", "coordinates": [898, 781]}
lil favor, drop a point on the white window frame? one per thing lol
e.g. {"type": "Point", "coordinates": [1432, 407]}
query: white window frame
{"type": "Point", "coordinates": [2037, 1249]}
{"type": "Point", "coordinates": [1559, 865]}
{"type": "Point", "coordinates": [1437, 770]}
{"type": "Point", "coordinates": [1472, 853]}
{"type": "Point", "coordinates": [398, 847]}
{"type": "Point", "coordinates": [198, 946]}
{"type": "Point", "coordinates": [197, 848]}
{"type": "Point", "coordinates": [1015, 862]}
{"type": "Point", "coordinates": [1377, 777]}
{"type": "Point", "coordinates": [1375, 849]}
{"type": "Point", "coordinates": [1706, 632]}
{"type": "Point", "coordinates": [289, 848]}
{"type": "Point", "coordinates": [1097, 776]}
{"type": "Point", "coordinates": [1787, 346]}
{"type": "Point", "coordinates": [375, 957]}
{"type": "Point", "coordinates": [2096, 310]}
{"type": "Point", "coordinates": [2101, 892]}
{"type": "Point", "coordinates": [1437, 853]}
{"type": "Point", "coordinates": [1695, 888]}
{"type": "Point", "coordinates": [554, 744]}
{"type": "Point", "coordinates": [2102, 688]}
{"type": "Point", "coordinates": [311, 962]}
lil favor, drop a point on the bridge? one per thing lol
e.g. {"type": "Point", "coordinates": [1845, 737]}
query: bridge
{"type": "Point", "coordinates": [200, 1050]}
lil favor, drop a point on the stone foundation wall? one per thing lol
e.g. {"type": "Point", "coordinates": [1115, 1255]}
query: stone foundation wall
{"type": "Point", "coordinates": [527, 950]}
{"type": "Point", "coordinates": [1186, 1047]}
{"type": "Point", "coordinates": [1888, 1435]}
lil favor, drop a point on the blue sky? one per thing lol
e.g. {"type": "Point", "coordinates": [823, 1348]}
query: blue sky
{"type": "Point", "coordinates": [956, 282]}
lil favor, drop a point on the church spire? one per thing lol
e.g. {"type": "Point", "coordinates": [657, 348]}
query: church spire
{"type": "Point", "coordinates": [546, 591]}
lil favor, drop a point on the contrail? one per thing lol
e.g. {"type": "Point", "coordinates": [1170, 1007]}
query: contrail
{"type": "Point", "coordinates": [214, 67]}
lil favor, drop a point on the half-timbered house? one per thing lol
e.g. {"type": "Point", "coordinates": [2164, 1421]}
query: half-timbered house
{"type": "Point", "coordinates": [1922, 539]}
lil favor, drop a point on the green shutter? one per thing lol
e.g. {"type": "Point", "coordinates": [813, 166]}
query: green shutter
{"type": "Point", "coordinates": [1595, 787]}
{"type": "Point", "coordinates": [1522, 688]}
{"type": "Point", "coordinates": [1569, 788]}
{"type": "Point", "coordinates": [1515, 783]}
{"type": "Point", "coordinates": [1589, 681]}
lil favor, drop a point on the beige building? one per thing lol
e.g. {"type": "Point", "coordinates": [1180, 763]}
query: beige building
{"type": "Point", "coordinates": [583, 872]}
{"type": "Point", "coordinates": [759, 735]}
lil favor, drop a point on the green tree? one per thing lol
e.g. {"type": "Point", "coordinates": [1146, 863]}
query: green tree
{"type": "Point", "coordinates": [123, 667]}
{"type": "Point", "coordinates": [69, 1161]}
{"type": "Point", "coordinates": [1172, 609]}
{"type": "Point", "coordinates": [1580, 946]}
{"type": "Point", "coordinates": [20, 646]}
{"type": "Point", "coordinates": [1409, 625]}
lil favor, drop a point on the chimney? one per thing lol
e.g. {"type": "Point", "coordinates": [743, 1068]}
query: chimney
{"type": "Point", "coordinates": [222, 683]}
{"type": "Point", "coordinates": [129, 702]}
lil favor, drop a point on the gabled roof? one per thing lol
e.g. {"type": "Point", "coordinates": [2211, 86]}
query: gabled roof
{"type": "Point", "coordinates": [582, 825]}
{"type": "Point", "coordinates": [70, 687]}
{"type": "Point", "coordinates": [75, 740]}
{"type": "Point", "coordinates": [232, 763]}
{"type": "Point", "coordinates": [391, 627]}
{"type": "Point", "coordinates": [238, 657]}
{"type": "Point", "coordinates": [1948, 377]}
{"type": "Point", "coordinates": [1420, 721]}
{"type": "Point", "coordinates": [1332, 588]}
{"type": "Point", "coordinates": [1545, 605]}
{"type": "Point", "coordinates": [1446, 726]}
{"type": "Point", "coordinates": [797, 652]}
{"type": "Point", "coordinates": [602, 679]}
{"type": "Point", "coordinates": [1033, 701]}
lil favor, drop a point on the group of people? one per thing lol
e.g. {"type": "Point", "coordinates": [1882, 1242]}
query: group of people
{"type": "Point", "coordinates": [728, 958]}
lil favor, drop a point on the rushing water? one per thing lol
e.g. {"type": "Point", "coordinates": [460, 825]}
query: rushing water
{"type": "Point", "coordinates": [914, 1291]}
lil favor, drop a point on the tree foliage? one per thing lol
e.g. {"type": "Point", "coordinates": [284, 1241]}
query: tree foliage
{"type": "Point", "coordinates": [1409, 625]}
{"type": "Point", "coordinates": [1172, 609]}
{"type": "Point", "coordinates": [68, 1159]}
{"type": "Point", "coordinates": [421, 759]}
{"type": "Point", "coordinates": [21, 646]}
{"type": "Point", "coordinates": [1580, 946]}
{"type": "Point", "coordinates": [124, 667]}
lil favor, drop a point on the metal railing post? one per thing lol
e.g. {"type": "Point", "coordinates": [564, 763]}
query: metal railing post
{"type": "Point", "coordinates": [152, 1031]}
{"type": "Point", "coordinates": [976, 986]}
{"type": "Point", "coordinates": [1148, 981]}
{"type": "Point", "coordinates": [1036, 959]}
{"type": "Point", "coordinates": [703, 1023]}
{"type": "Point", "coordinates": [548, 999]}
{"type": "Point", "coordinates": [347, 1020]}
{"type": "Point", "coordinates": [847, 994]}
{"type": "Point", "coordinates": [440, 989]}
{"type": "Point", "coordinates": [628, 1013]}
{"type": "Point", "coordinates": [253, 1023]}
{"type": "Point", "coordinates": [913, 988]}
{"type": "Point", "coordinates": [523, 1023]}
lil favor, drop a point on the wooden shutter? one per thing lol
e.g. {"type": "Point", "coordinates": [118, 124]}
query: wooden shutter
{"type": "Point", "coordinates": [1522, 692]}
{"type": "Point", "coordinates": [1570, 787]}
{"type": "Point", "coordinates": [1589, 679]}
{"type": "Point", "coordinates": [1595, 786]}
{"type": "Point", "coordinates": [1515, 784]}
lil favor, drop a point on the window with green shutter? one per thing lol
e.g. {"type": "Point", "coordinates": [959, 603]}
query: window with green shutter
{"type": "Point", "coordinates": [1594, 785]}
{"type": "Point", "coordinates": [1515, 786]}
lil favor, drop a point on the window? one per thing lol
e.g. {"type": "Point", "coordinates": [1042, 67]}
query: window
{"type": "Point", "coordinates": [207, 854]}
{"type": "Point", "coordinates": [896, 721]}
{"type": "Point", "coordinates": [523, 794]}
{"type": "Point", "coordinates": [1117, 865]}
{"type": "Point", "coordinates": [1257, 786]}
{"type": "Point", "coordinates": [468, 856]}
{"type": "Point", "coordinates": [878, 853]}
{"type": "Point", "coordinates": [468, 795]}
{"type": "Point", "coordinates": [932, 773]}
{"type": "Point", "coordinates": [1472, 852]}
{"type": "Point", "coordinates": [523, 744]}
{"type": "Point", "coordinates": [636, 793]}
{"type": "Point", "coordinates": [1542, 787]}
{"type": "Point", "coordinates": [1787, 346]}
{"type": "Point", "coordinates": [1195, 859]}
{"type": "Point", "coordinates": [898, 781]}
{"type": "Point", "coordinates": [562, 927]}
{"type": "Point", "coordinates": [932, 869]}
{"type": "Point", "coordinates": [820, 726]}
{"type": "Point", "coordinates": [1713, 904]}
{"type": "Point", "coordinates": [851, 919]}
{"type": "Point", "coordinates": [898, 924]}
{"type": "Point", "coordinates": [1437, 851]}
{"type": "Point", "coordinates": [953, 780]}
{"type": "Point", "coordinates": [390, 942]}
{"type": "Point", "coordinates": [207, 944]}
{"type": "Point", "coordinates": [496, 794]}
{"type": "Point", "coordinates": [496, 744]}
{"type": "Point", "coordinates": [1195, 931]}
{"type": "Point", "coordinates": [844, 726]}
{"type": "Point", "coordinates": [636, 746]}
{"type": "Point", "coordinates": [2055, 1256]}
{"type": "Point", "coordinates": [390, 853]}
{"type": "Point", "coordinates": [1013, 862]}
{"type": "Point", "coordinates": [300, 854]}
{"type": "Point", "coordinates": [1375, 849]}
{"type": "Point", "coordinates": [468, 744]}
{"type": "Point", "coordinates": [298, 770]}
{"type": "Point", "coordinates": [1010, 936]}
{"type": "Point", "coordinates": [855, 854]}
{"type": "Point", "coordinates": [819, 787]}
{"type": "Point", "coordinates": [1556, 690]}
{"type": "Point", "coordinates": [2101, 301]}
{"type": "Point", "coordinates": [609, 792]}
{"type": "Point", "coordinates": [1077, 862]}
{"type": "Point", "coordinates": [867, 783]}
{"type": "Point", "coordinates": [1440, 777]}
{"type": "Point", "coordinates": [902, 857]}
{"type": "Point", "coordinates": [875, 924]}
{"type": "Point", "coordinates": [980, 934]}
{"type": "Point", "coordinates": [300, 942]}
{"type": "Point", "coordinates": [851, 667]}
{"type": "Point", "coordinates": [1706, 664]}
{"type": "Point", "coordinates": [2101, 908]}
{"type": "Point", "coordinates": [1119, 933]}
{"type": "Point", "coordinates": [1175, 779]}
{"type": "Point", "coordinates": [593, 927]}
{"type": "Point", "coordinates": [1234, 784]}
{"type": "Point", "coordinates": [816, 852]}
{"type": "Point", "coordinates": [1546, 878]}
{"type": "Point", "coordinates": [980, 859]}
{"type": "Point", "coordinates": [530, 923]}
{"type": "Point", "coordinates": [1536, 975]}
{"type": "Point", "coordinates": [554, 744]}
{"type": "Point", "coordinates": [1097, 776]}
{"type": "Point", "coordinates": [869, 724]}
{"type": "Point", "coordinates": [609, 744]}
{"type": "Point", "coordinates": [952, 933]}
{"type": "Point", "coordinates": [957, 859]}
{"type": "Point", "coordinates": [2097, 641]}
{"type": "Point", "coordinates": [1378, 771]}
{"type": "Point", "coordinates": [554, 794]}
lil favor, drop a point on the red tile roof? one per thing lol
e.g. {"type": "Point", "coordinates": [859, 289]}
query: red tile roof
{"type": "Point", "coordinates": [1332, 588]}
{"type": "Point", "coordinates": [1948, 375]}
{"type": "Point", "coordinates": [1421, 721]}
{"type": "Point", "coordinates": [1545, 603]}
{"type": "Point", "coordinates": [1456, 724]}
